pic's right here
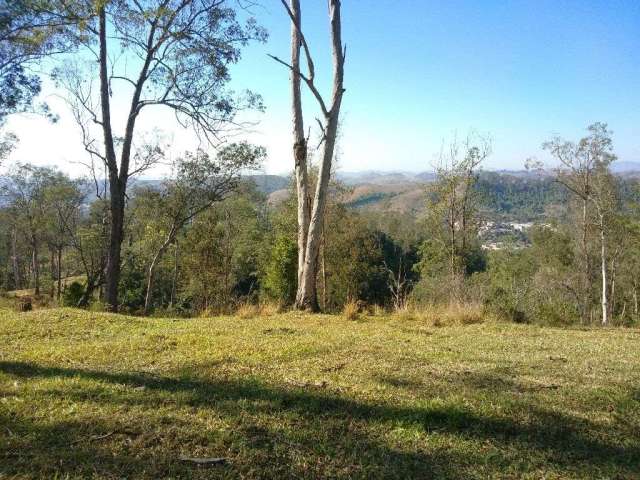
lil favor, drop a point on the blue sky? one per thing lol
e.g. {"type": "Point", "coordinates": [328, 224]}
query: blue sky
{"type": "Point", "coordinates": [419, 71]}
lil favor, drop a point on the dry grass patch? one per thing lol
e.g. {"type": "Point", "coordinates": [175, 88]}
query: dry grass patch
{"type": "Point", "coordinates": [351, 310]}
{"type": "Point", "coordinates": [269, 309]}
{"type": "Point", "coordinates": [443, 315]}
{"type": "Point", "coordinates": [264, 309]}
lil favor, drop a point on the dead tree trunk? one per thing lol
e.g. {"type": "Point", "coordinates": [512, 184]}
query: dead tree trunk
{"type": "Point", "coordinates": [174, 283]}
{"type": "Point", "coordinates": [635, 299]}
{"type": "Point", "coordinates": [14, 260]}
{"type": "Point", "coordinates": [59, 271]}
{"type": "Point", "coordinates": [35, 266]}
{"type": "Point", "coordinates": [310, 217]}
{"type": "Point", "coordinates": [603, 257]}
{"type": "Point", "coordinates": [52, 268]}
{"type": "Point", "coordinates": [152, 268]}
{"type": "Point", "coordinates": [88, 292]}
{"type": "Point", "coordinates": [300, 150]}
{"type": "Point", "coordinates": [324, 269]}
{"type": "Point", "coordinates": [306, 298]}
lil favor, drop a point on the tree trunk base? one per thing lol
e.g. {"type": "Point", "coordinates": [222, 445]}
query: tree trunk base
{"type": "Point", "coordinates": [308, 305]}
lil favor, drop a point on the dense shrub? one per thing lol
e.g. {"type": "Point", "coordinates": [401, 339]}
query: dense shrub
{"type": "Point", "coordinates": [72, 294]}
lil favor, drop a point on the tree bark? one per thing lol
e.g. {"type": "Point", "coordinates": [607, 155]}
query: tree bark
{"type": "Point", "coordinates": [88, 292]}
{"type": "Point", "coordinates": [306, 296]}
{"type": "Point", "coordinates": [116, 193]}
{"type": "Point", "coordinates": [612, 301]}
{"type": "Point", "coordinates": [150, 273]}
{"type": "Point", "coordinates": [35, 266]}
{"type": "Point", "coordinates": [14, 260]}
{"type": "Point", "coordinates": [174, 284]}
{"type": "Point", "coordinates": [603, 256]}
{"type": "Point", "coordinates": [307, 291]}
{"type": "Point", "coordinates": [52, 265]}
{"type": "Point", "coordinates": [323, 267]}
{"type": "Point", "coordinates": [299, 142]}
{"type": "Point", "coordinates": [116, 235]}
{"type": "Point", "coordinates": [586, 272]}
{"type": "Point", "coordinates": [118, 177]}
{"type": "Point", "coordinates": [59, 271]}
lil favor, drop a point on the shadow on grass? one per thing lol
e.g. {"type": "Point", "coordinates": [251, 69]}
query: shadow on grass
{"type": "Point", "coordinates": [334, 436]}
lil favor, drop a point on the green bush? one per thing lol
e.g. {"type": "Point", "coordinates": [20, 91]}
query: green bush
{"type": "Point", "coordinates": [281, 273]}
{"type": "Point", "coordinates": [132, 287]}
{"type": "Point", "coordinates": [505, 305]}
{"type": "Point", "coordinates": [72, 294]}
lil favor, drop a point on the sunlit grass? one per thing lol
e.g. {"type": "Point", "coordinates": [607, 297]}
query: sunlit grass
{"type": "Point", "coordinates": [432, 395]}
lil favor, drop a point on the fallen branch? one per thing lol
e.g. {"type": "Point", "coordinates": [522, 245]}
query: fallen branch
{"type": "Point", "coordinates": [102, 437]}
{"type": "Point", "coordinates": [322, 384]}
{"type": "Point", "coordinates": [203, 461]}
{"type": "Point", "coordinates": [559, 359]}
{"type": "Point", "coordinates": [93, 438]}
{"type": "Point", "coordinates": [335, 368]}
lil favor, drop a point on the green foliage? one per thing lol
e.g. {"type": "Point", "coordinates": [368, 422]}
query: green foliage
{"type": "Point", "coordinates": [530, 285]}
{"type": "Point", "coordinates": [234, 248]}
{"type": "Point", "coordinates": [72, 294]}
{"type": "Point", "coordinates": [370, 198]}
{"type": "Point", "coordinates": [29, 31]}
{"type": "Point", "coordinates": [220, 257]}
{"type": "Point", "coordinates": [522, 198]}
{"type": "Point", "coordinates": [280, 278]}
{"type": "Point", "coordinates": [355, 267]}
{"type": "Point", "coordinates": [132, 283]}
{"type": "Point", "coordinates": [510, 276]}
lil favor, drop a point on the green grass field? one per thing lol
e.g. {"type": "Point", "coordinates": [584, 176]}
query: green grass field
{"type": "Point", "coordinates": [92, 395]}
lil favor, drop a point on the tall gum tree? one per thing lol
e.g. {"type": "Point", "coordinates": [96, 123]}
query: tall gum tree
{"type": "Point", "coordinates": [311, 211]}
{"type": "Point", "coordinates": [584, 171]}
{"type": "Point", "coordinates": [174, 54]}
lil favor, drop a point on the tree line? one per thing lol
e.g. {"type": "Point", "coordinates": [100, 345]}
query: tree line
{"type": "Point", "coordinates": [205, 239]}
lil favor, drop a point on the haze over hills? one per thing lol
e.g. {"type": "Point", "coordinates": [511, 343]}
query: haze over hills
{"type": "Point", "coordinates": [394, 191]}
{"type": "Point", "coordinates": [405, 192]}
{"type": "Point", "coordinates": [625, 167]}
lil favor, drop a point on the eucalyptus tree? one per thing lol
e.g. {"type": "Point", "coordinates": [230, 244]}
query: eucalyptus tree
{"type": "Point", "coordinates": [88, 234]}
{"type": "Point", "coordinates": [605, 201]}
{"type": "Point", "coordinates": [63, 198]}
{"type": "Point", "coordinates": [29, 31]}
{"type": "Point", "coordinates": [584, 171]}
{"type": "Point", "coordinates": [311, 211]}
{"type": "Point", "coordinates": [174, 54]}
{"type": "Point", "coordinates": [23, 190]}
{"type": "Point", "coordinates": [452, 207]}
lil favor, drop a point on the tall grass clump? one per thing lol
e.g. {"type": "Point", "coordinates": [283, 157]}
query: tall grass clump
{"type": "Point", "coordinates": [351, 310]}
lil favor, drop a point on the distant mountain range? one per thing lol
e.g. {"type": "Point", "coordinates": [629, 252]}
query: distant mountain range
{"type": "Point", "coordinates": [269, 183]}
{"type": "Point", "coordinates": [400, 191]}
{"type": "Point", "coordinates": [625, 167]}
{"type": "Point", "coordinates": [404, 192]}
{"type": "Point", "coordinates": [376, 177]}
{"type": "Point", "coordinates": [383, 178]}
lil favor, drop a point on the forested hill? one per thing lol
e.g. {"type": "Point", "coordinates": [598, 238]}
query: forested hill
{"type": "Point", "coordinates": [512, 195]}
{"type": "Point", "coordinates": [520, 197]}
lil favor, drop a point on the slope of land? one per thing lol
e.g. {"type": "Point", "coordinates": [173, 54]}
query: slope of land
{"type": "Point", "coordinates": [93, 395]}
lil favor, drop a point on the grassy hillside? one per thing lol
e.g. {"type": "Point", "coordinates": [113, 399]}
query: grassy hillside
{"type": "Point", "coordinates": [91, 395]}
